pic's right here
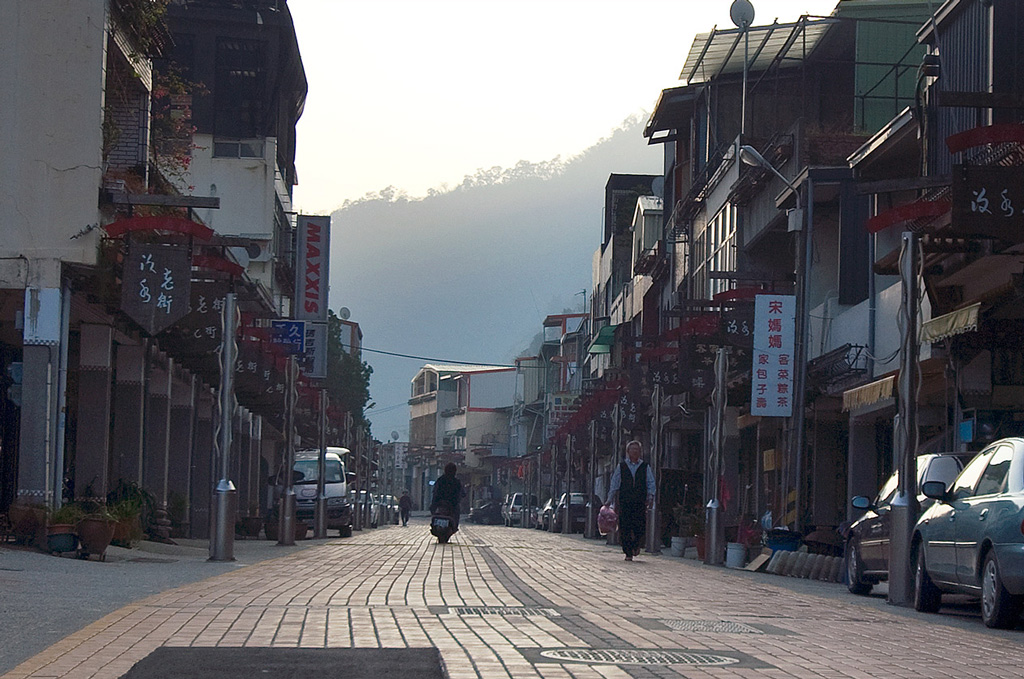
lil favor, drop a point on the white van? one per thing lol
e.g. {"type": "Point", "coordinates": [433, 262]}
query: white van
{"type": "Point", "coordinates": [339, 509]}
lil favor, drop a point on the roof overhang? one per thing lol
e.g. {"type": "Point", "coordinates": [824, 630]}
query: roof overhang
{"type": "Point", "coordinates": [673, 111]}
{"type": "Point", "coordinates": [722, 52]}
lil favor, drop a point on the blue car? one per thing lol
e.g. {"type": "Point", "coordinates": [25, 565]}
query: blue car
{"type": "Point", "coordinates": [971, 541]}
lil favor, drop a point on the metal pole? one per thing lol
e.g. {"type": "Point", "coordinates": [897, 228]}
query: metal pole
{"type": "Point", "coordinates": [286, 526]}
{"type": "Point", "coordinates": [715, 530]}
{"type": "Point", "coordinates": [905, 506]}
{"type": "Point", "coordinates": [566, 523]}
{"type": "Point", "coordinates": [320, 511]}
{"type": "Point", "coordinates": [591, 477]}
{"type": "Point", "coordinates": [653, 543]}
{"type": "Point", "coordinates": [225, 497]}
{"type": "Point", "coordinates": [803, 339]}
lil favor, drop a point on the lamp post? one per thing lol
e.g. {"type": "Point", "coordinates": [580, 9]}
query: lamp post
{"type": "Point", "coordinates": [225, 497]}
{"type": "Point", "coordinates": [805, 226]}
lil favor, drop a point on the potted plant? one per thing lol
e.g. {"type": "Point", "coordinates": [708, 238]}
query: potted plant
{"type": "Point", "coordinates": [690, 524]}
{"type": "Point", "coordinates": [127, 523]}
{"type": "Point", "coordinates": [61, 535]}
{"type": "Point", "coordinates": [249, 526]}
{"type": "Point", "coordinates": [95, 531]}
{"type": "Point", "coordinates": [28, 522]}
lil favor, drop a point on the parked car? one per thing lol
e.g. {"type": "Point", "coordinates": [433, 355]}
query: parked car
{"type": "Point", "coordinates": [971, 540]}
{"type": "Point", "coordinates": [487, 513]}
{"type": "Point", "coordinates": [867, 542]}
{"type": "Point", "coordinates": [513, 512]}
{"type": "Point", "coordinates": [577, 512]}
{"type": "Point", "coordinates": [544, 515]}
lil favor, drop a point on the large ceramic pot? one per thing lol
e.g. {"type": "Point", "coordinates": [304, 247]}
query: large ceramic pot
{"type": "Point", "coordinates": [95, 534]}
{"type": "Point", "coordinates": [28, 523]}
{"type": "Point", "coordinates": [60, 538]}
{"type": "Point", "coordinates": [127, 531]}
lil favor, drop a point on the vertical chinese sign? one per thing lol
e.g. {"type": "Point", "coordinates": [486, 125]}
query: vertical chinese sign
{"type": "Point", "coordinates": [771, 390]}
{"type": "Point", "coordinates": [311, 287]}
{"type": "Point", "coordinates": [155, 285]}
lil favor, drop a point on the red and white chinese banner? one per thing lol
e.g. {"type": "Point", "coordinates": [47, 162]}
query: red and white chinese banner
{"type": "Point", "coordinates": [771, 389]}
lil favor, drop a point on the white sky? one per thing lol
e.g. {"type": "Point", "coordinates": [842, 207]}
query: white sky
{"type": "Point", "coordinates": [419, 93]}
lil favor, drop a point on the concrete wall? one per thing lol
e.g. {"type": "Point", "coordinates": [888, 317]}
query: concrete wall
{"type": "Point", "coordinates": [51, 127]}
{"type": "Point", "coordinates": [492, 389]}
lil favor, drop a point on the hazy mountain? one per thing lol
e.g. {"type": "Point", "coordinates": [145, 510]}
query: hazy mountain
{"type": "Point", "coordinates": [469, 273]}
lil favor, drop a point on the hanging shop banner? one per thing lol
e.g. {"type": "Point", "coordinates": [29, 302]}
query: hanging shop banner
{"type": "Point", "coordinates": [155, 285]}
{"type": "Point", "coordinates": [203, 325]}
{"type": "Point", "coordinates": [311, 267]}
{"type": "Point", "coordinates": [736, 328]}
{"type": "Point", "coordinates": [771, 384]}
{"type": "Point", "coordinates": [314, 358]}
{"type": "Point", "coordinates": [668, 376]}
{"type": "Point", "coordinates": [989, 202]}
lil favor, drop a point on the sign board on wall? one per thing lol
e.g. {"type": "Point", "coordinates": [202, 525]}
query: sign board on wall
{"type": "Point", "coordinates": [771, 384]}
{"type": "Point", "coordinates": [312, 258]}
{"type": "Point", "coordinates": [989, 202]}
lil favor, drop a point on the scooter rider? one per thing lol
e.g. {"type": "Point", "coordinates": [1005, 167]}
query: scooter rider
{"type": "Point", "coordinates": [448, 493]}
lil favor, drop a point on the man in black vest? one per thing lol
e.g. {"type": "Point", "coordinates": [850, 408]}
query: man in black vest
{"type": "Point", "coordinates": [631, 493]}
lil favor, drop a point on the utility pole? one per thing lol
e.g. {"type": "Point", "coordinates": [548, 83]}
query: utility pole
{"type": "Point", "coordinates": [286, 525]}
{"type": "Point", "coordinates": [225, 497]}
{"type": "Point", "coordinates": [905, 506]}
{"type": "Point", "coordinates": [566, 522]}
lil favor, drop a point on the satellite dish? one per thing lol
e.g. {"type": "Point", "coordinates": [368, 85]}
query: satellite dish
{"type": "Point", "coordinates": [742, 13]}
{"type": "Point", "coordinates": [658, 187]}
{"type": "Point", "coordinates": [344, 313]}
{"type": "Point", "coordinates": [394, 435]}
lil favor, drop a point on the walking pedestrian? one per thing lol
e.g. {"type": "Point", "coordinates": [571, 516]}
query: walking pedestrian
{"type": "Point", "coordinates": [631, 493]}
{"type": "Point", "coordinates": [405, 506]}
{"type": "Point", "coordinates": [448, 493]}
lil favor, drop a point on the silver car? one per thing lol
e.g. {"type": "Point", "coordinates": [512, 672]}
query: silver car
{"type": "Point", "coordinates": [972, 539]}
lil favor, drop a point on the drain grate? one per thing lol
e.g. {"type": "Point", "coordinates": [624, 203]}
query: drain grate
{"type": "Point", "coordinates": [639, 657]}
{"type": "Point", "coordinates": [505, 610]}
{"type": "Point", "coordinates": [711, 626]}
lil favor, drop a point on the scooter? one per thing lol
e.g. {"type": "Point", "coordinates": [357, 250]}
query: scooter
{"type": "Point", "coordinates": [442, 524]}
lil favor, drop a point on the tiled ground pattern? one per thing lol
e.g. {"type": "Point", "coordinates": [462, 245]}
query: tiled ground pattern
{"type": "Point", "coordinates": [393, 588]}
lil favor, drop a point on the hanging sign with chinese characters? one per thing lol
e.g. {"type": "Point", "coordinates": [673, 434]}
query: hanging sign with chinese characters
{"type": "Point", "coordinates": [155, 284]}
{"type": "Point", "coordinates": [989, 202]}
{"type": "Point", "coordinates": [202, 327]}
{"type": "Point", "coordinates": [771, 388]}
{"type": "Point", "coordinates": [313, 362]}
{"type": "Point", "coordinates": [289, 336]}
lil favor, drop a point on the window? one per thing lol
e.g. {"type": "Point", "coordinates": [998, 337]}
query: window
{"type": "Point", "coordinates": [993, 481]}
{"type": "Point", "coordinates": [252, 148]}
{"type": "Point", "coordinates": [965, 483]}
{"type": "Point", "coordinates": [714, 251]}
{"type": "Point", "coordinates": [239, 95]}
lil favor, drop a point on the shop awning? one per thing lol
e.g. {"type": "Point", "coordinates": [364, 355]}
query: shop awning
{"type": "Point", "coordinates": [602, 344]}
{"type": "Point", "coordinates": [947, 325]}
{"type": "Point", "coordinates": [870, 393]}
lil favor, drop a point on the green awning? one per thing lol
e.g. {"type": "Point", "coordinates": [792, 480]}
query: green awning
{"type": "Point", "coordinates": [947, 325]}
{"type": "Point", "coordinates": [602, 344]}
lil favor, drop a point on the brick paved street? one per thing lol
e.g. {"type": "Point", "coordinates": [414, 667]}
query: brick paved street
{"type": "Point", "coordinates": [394, 587]}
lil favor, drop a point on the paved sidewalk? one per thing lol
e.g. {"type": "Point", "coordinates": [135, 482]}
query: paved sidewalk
{"type": "Point", "coordinates": [557, 607]}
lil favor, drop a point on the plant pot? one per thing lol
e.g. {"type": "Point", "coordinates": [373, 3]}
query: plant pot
{"type": "Point", "coordinates": [270, 528]}
{"type": "Point", "coordinates": [95, 535]}
{"type": "Point", "coordinates": [127, 532]}
{"type": "Point", "coordinates": [249, 526]}
{"type": "Point", "coordinates": [28, 524]}
{"type": "Point", "coordinates": [300, 530]}
{"type": "Point", "coordinates": [60, 538]}
{"type": "Point", "coordinates": [701, 544]}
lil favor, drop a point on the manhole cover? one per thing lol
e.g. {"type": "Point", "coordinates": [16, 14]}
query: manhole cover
{"type": "Point", "coordinates": [639, 657]}
{"type": "Point", "coordinates": [711, 626]}
{"type": "Point", "coordinates": [505, 610]}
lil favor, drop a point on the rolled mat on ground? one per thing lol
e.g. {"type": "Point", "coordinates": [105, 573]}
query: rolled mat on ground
{"type": "Point", "coordinates": [288, 663]}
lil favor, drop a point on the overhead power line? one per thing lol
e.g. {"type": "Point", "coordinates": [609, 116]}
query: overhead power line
{"type": "Point", "coordinates": [428, 359]}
